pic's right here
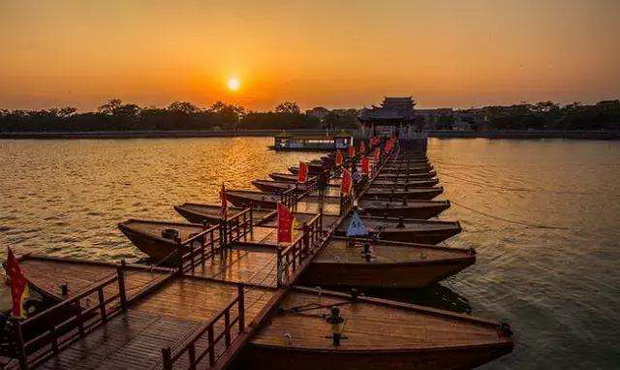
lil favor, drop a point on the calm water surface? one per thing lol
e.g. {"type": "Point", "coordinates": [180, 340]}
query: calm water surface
{"type": "Point", "coordinates": [544, 217]}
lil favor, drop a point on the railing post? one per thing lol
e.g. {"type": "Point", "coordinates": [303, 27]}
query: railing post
{"type": "Point", "coordinates": [80, 320]}
{"type": "Point", "coordinates": [223, 227]}
{"type": "Point", "coordinates": [167, 358]}
{"type": "Point", "coordinates": [227, 328]}
{"type": "Point", "coordinates": [192, 256]}
{"type": "Point", "coordinates": [306, 240]}
{"type": "Point", "coordinates": [191, 354]}
{"type": "Point", "coordinates": [121, 284]}
{"type": "Point", "coordinates": [211, 345]}
{"type": "Point", "coordinates": [252, 220]}
{"type": "Point", "coordinates": [241, 307]}
{"type": "Point", "coordinates": [104, 317]}
{"type": "Point", "coordinates": [279, 268]}
{"type": "Point", "coordinates": [179, 257]}
{"type": "Point", "coordinates": [19, 343]}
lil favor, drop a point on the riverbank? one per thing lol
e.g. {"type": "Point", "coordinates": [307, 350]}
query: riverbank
{"type": "Point", "coordinates": [577, 135]}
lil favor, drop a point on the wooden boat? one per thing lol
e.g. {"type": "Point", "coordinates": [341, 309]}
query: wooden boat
{"type": "Point", "coordinates": [404, 185]}
{"type": "Point", "coordinates": [272, 186]}
{"type": "Point", "coordinates": [421, 209]}
{"type": "Point", "coordinates": [385, 265]}
{"type": "Point", "coordinates": [158, 239]}
{"type": "Point", "coordinates": [200, 213]}
{"type": "Point", "coordinates": [407, 168]}
{"type": "Point", "coordinates": [398, 195]}
{"type": "Point", "coordinates": [410, 176]}
{"type": "Point", "coordinates": [313, 170]}
{"type": "Point", "coordinates": [247, 198]}
{"type": "Point", "coordinates": [283, 177]}
{"type": "Point", "coordinates": [378, 334]}
{"type": "Point", "coordinates": [407, 229]}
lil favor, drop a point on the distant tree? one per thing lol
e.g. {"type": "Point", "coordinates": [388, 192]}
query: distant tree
{"type": "Point", "coordinates": [110, 107]}
{"type": "Point", "coordinates": [183, 107]}
{"type": "Point", "coordinates": [227, 114]}
{"type": "Point", "coordinates": [288, 108]}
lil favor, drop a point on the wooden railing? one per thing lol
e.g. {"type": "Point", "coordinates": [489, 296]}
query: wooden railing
{"type": "Point", "coordinates": [202, 246]}
{"type": "Point", "coordinates": [290, 258]}
{"type": "Point", "coordinates": [200, 348]}
{"type": "Point", "coordinates": [69, 320]}
{"type": "Point", "coordinates": [289, 197]}
{"type": "Point", "coordinates": [239, 226]}
{"type": "Point", "coordinates": [346, 204]}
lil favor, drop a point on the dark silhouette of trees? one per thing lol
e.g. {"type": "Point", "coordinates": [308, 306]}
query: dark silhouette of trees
{"type": "Point", "coordinates": [288, 107]}
{"type": "Point", "coordinates": [115, 115]}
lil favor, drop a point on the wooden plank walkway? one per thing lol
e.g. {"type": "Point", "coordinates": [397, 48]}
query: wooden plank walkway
{"type": "Point", "coordinates": [256, 266]}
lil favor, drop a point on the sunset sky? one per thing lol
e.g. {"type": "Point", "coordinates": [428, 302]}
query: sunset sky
{"type": "Point", "coordinates": [332, 53]}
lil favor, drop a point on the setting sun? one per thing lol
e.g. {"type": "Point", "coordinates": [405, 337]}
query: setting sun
{"type": "Point", "coordinates": [234, 84]}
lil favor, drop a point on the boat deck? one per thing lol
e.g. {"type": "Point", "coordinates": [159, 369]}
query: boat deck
{"type": "Point", "coordinates": [338, 250]}
{"type": "Point", "coordinates": [50, 273]}
{"type": "Point", "coordinates": [399, 327]}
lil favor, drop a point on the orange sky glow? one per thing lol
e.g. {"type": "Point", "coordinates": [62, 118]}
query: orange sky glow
{"type": "Point", "coordinates": [336, 53]}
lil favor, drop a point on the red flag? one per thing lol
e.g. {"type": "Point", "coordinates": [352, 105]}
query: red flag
{"type": "Point", "coordinates": [19, 285]}
{"type": "Point", "coordinates": [363, 147]}
{"type": "Point", "coordinates": [351, 151]}
{"type": "Point", "coordinates": [345, 185]}
{"type": "Point", "coordinates": [339, 158]}
{"type": "Point", "coordinates": [377, 155]}
{"type": "Point", "coordinates": [302, 175]}
{"type": "Point", "coordinates": [365, 166]}
{"type": "Point", "coordinates": [224, 207]}
{"type": "Point", "coordinates": [285, 225]}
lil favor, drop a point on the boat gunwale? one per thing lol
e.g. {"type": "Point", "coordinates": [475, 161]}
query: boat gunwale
{"type": "Point", "coordinates": [508, 343]}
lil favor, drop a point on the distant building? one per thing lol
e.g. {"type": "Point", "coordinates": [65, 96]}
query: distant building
{"type": "Point", "coordinates": [609, 104]}
{"type": "Point", "coordinates": [395, 117]}
{"type": "Point", "coordinates": [392, 109]}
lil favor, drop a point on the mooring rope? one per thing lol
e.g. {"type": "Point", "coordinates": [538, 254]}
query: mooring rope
{"type": "Point", "coordinates": [538, 226]}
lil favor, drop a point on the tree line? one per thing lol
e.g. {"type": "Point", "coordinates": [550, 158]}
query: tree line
{"type": "Point", "coordinates": [116, 115]}
{"type": "Point", "coordinates": [604, 115]}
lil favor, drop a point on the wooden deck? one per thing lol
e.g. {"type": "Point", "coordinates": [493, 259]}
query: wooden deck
{"type": "Point", "coordinates": [256, 266]}
{"type": "Point", "coordinates": [397, 328]}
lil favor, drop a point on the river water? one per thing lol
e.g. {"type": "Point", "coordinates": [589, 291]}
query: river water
{"type": "Point", "coordinates": [543, 215]}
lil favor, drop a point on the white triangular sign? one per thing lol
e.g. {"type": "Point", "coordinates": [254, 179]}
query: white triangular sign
{"type": "Point", "coordinates": [356, 226]}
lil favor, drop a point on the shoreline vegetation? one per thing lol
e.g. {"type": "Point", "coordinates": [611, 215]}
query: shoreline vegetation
{"type": "Point", "coordinates": [507, 134]}
{"type": "Point", "coordinates": [116, 119]}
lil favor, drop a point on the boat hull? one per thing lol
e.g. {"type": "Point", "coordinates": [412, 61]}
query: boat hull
{"type": "Point", "coordinates": [286, 358]}
{"type": "Point", "coordinates": [194, 217]}
{"type": "Point", "coordinates": [411, 211]}
{"type": "Point", "coordinates": [421, 236]}
{"type": "Point", "coordinates": [385, 275]}
{"type": "Point", "coordinates": [242, 201]}
{"type": "Point", "coordinates": [156, 248]}
{"type": "Point", "coordinates": [271, 187]}
{"type": "Point", "coordinates": [419, 194]}
{"type": "Point", "coordinates": [410, 176]}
